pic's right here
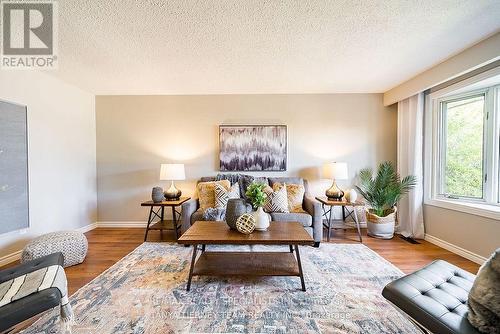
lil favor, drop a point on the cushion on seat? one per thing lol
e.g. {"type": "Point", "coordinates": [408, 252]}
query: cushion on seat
{"type": "Point", "coordinates": [434, 296]}
{"type": "Point", "coordinates": [287, 180]}
{"type": "Point", "coordinates": [24, 308]}
{"type": "Point", "coordinates": [304, 218]}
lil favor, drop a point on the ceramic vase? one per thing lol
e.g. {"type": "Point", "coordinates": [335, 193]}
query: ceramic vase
{"type": "Point", "coordinates": [262, 219]}
{"type": "Point", "coordinates": [235, 208]}
{"type": "Point", "coordinates": [157, 195]}
{"type": "Point", "coordinates": [351, 195]}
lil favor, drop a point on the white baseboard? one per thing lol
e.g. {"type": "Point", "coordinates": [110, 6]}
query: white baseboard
{"type": "Point", "coordinates": [4, 260]}
{"type": "Point", "coordinates": [87, 228]}
{"type": "Point", "coordinates": [121, 224]}
{"type": "Point", "coordinates": [455, 249]}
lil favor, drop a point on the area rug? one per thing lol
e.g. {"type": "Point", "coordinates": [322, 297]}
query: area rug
{"type": "Point", "coordinates": [145, 292]}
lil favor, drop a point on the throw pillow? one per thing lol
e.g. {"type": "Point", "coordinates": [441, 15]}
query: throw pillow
{"type": "Point", "coordinates": [214, 214]}
{"type": "Point", "coordinates": [206, 192]}
{"type": "Point", "coordinates": [484, 297]}
{"type": "Point", "coordinates": [276, 201]}
{"type": "Point", "coordinates": [222, 195]}
{"type": "Point", "coordinates": [295, 195]}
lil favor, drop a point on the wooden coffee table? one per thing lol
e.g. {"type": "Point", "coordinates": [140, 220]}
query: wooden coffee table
{"type": "Point", "coordinates": [204, 233]}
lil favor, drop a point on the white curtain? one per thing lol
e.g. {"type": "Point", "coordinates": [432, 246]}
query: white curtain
{"type": "Point", "coordinates": [410, 155]}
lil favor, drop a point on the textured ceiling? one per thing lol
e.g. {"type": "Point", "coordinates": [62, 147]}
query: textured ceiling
{"type": "Point", "coordinates": [258, 46]}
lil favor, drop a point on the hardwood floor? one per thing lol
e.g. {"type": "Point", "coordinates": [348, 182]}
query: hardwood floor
{"type": "Point", "coordinates": [108, 246]}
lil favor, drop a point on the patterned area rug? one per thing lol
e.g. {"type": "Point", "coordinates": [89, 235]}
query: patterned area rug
{"type": "Point", "coordinates": [145, 293]}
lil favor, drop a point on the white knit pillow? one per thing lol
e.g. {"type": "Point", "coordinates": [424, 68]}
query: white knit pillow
{"type": "Point", "coordinates": [222, 195]}
{"type": "Point", "coordinates": [276, 201]}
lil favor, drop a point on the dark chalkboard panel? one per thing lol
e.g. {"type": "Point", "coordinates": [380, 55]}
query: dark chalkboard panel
{"type": "Point", "coordinates": [14, 212]}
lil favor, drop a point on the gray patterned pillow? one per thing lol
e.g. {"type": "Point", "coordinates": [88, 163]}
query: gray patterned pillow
{"type": "Point", "coordinates": [222, 195]}
{"type": "Point", "coordinates": [214, 214]}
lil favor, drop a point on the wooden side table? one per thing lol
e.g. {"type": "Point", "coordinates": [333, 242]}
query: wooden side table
{"type": "Point", "coordinates": [327, 213]}
{"type": "Point", "coordinates": [157, 210]}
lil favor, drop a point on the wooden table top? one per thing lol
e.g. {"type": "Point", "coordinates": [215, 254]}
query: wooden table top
{"type": "Point", "coordinates": [279, 233]}
{"type": "Point", "coordinates": [166, 203]}
{"type": "Point", "coordinates": [343, 202]}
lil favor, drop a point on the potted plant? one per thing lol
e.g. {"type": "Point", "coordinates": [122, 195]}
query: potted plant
{"type": "Point", "coordinates": [382, 193]}
{"type": "Point", "coordinates": [257, 196]}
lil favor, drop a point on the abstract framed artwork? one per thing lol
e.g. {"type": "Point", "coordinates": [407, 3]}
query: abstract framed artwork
{"type": "Point", "coordinates": [253, 147]}
{"type": "Point", "coordinates": [14, 208]}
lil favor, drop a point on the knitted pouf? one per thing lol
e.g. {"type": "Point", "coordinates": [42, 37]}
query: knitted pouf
{"type": "Point", "coordinates": [72, 244]}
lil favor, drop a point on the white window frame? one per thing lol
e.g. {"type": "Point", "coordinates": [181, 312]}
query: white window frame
{"type": "Point", "coordinates": [489, 205]}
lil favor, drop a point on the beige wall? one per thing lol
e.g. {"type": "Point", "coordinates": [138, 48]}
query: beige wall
{"type": "Point", "coordinates": [61, 136]}
{"type": "Point", "coordinates": [137, 133]}
{"type": "Point", "coordinates": [471, 58]}
{"type": "Point", "coordinates": [476, 234]}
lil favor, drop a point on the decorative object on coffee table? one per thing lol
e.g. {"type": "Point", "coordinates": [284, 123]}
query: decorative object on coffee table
{"type": "Point", "coordinates": [290, 234]}
{"type": "Point", "coordinates": [172, 172]}
{"type": "Point", "coordinates": [245, 223]}
{"type": "Point", "coordinates": [257, 197]}
{"type": "Point", "coordinates": [338, 171]}
{"type": "Point", "coordinates": [253, 147]}
{"type": "Point", "coordinates": [157, 210]}
{"type": "Point", "coordinates": [157, 195]}
{"type": "Point", "coordinates": [72, 244]}
{"type": "Point", "coordinates": [235, 208]}
{"type": "Point", "coordinates": [329, 215]}
{"type": "Point", "coordinates": [382, 193]}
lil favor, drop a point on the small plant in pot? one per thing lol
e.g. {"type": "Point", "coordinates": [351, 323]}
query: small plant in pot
{"type": "Point", "coordinates": [382, 192]}
{"type": "Point", "coordinates": [257, 196]}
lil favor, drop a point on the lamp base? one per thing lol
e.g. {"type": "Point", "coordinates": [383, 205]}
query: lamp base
{"type": "Point", "coordinates": [172, 193]}
{"type": "Point", "coordinates": [334, 193]}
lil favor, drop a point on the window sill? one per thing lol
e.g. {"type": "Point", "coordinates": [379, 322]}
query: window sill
{"type": "Point", "coordinates": [478, 209]}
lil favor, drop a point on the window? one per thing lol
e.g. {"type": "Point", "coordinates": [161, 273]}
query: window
{"type": "Point", "coordinates": [462, 134]}
{"type": "Point", "coordinates": [462, 147]}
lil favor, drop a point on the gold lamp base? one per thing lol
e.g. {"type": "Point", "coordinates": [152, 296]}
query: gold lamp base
{"type": "Point", "coordinates": [334, 193]}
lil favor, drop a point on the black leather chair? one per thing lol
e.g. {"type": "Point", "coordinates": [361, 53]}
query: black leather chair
{"type": "Point", "coordinates": [434, 297]}
{"type": "Point", "coordinates": [29, 306]}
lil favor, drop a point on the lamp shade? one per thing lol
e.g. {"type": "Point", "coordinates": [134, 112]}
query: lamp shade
{"type": "Point", "coordinates": [338, 170]}
{"type": "Point", "coordinates": [172, 172]}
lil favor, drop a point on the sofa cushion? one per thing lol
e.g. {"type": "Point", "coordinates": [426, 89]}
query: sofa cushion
{"type": "Point", "coordinates": [206, 192]}
{"type": "Point", "coordinates": [304, 218]}
{"type": "Point", "coordinates": [295, 196]}
{"type": "Point", "coordinates": [222, 195]}
{"type": "Point", "coordinates": [276, 201]}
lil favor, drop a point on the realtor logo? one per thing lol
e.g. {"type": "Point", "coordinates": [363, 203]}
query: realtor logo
{"type": "Point", "coordinates": [28, 34]}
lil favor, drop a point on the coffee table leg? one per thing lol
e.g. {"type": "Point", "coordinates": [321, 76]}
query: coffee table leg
{"type": "Point", "coordinates": [291, 249]}
{"type": "Point", "coordinates": [193, 260]}
{"type": "Point", "coordinates": [300, 268]}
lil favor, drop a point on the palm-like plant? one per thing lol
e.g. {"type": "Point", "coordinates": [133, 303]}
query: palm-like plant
{"type": "Point", "coordinates": [386, 189]}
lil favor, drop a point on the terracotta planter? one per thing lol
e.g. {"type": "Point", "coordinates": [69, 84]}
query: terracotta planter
{"type": "Point", "coordinates": [381, 227]}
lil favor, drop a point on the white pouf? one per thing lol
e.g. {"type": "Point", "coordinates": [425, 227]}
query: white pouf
{"type": "Point", "coordinates": [72, 244]}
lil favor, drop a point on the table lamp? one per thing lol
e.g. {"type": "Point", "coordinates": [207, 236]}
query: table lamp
{"type": "Point", "coordinates": [338, 171]}
{"type": "Point", "coordinates": [172, 172]}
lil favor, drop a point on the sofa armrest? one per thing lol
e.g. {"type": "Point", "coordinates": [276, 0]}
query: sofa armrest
{"type": "Point", "coordinates": [313, 207]}
{"type": "Point", "coordinates": [188, 208]}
